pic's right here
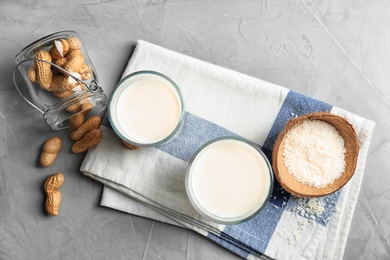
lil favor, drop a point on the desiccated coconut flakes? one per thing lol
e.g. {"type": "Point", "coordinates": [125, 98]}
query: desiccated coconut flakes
{"type": "Point", "coordinates": [314, 153]}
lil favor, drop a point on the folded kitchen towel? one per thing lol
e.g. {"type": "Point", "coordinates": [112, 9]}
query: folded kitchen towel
{"type": "Point", "coordinates": [149, 182]}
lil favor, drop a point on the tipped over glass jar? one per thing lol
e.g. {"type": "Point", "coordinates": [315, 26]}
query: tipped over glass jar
{"type": "Point", "coordinates": [55, 75]}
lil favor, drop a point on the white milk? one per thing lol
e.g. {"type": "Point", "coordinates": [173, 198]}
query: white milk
{"type": "Point", "coordinates": [230, 179]}
{"type": "Point", "coordinates": [147, 109]}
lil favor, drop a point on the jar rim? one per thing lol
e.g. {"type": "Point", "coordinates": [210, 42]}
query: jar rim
{"type": "Point", "coordinates": [29, 47]}
{"type": "Point", "coordinates": [56, 115]}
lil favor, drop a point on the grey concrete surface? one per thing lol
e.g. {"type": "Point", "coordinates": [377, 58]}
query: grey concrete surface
{"type": "Point", "coordinates": [336, 51]}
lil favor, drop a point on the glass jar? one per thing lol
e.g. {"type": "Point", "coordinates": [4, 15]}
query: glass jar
{"type": "Point", "coordinates": [55, 75]}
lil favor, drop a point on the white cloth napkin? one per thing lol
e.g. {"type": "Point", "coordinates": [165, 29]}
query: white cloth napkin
{"type": "Point", "coordinates": [149, 182]}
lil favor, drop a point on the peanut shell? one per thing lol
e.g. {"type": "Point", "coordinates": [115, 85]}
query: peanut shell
{"type": "Point", "coordinates": [76, 121]}
{"type": "Point", "coordinates": [53, 195]}
{"type": "Point", "coordinates": [62, 83]}
{"type": "Point", "coordinates": [74, 43]}
{"type": "Point", "coordinates": [63, 94]}
{"type": "Point", "coordinates": [54, 182]}
{"type": "Point", "coordinates": [59, 62]}
{"type": "Point", "coordinates": [90, 139]}
{"type": "Point", "coordinates": [92, 123]}
{"type": "Point", "coordinates": [52, 203]}
{"type": "Point", "coordinates": [44, 74]}
{"type": "Point", "coordinates": [85, 72]}
{"type": "Point", "coordinates": [74, 107]}
{"type": "Point", "coordinates": [50, 151]}
{"type": "Point", "coordinates": [32, 73]}
{"type": "Point", "coordinates": [130, 146]}
{"type": "Point", "coordinates": [75, 61]}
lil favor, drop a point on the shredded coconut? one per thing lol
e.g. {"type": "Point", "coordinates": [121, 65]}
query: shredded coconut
{"type": "Point", "coordinates": [314, 153]}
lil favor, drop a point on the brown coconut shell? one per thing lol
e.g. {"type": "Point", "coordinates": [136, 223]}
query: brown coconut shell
{"type": "Point", "coordinates": [351, 144]}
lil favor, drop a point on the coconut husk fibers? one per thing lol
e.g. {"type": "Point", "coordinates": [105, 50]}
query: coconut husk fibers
{"type": "Point", "coordinates": [351, 144]}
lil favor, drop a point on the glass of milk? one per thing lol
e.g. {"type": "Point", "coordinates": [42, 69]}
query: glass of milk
{"type": "Point", "coordinates": [229, 180]}
{"type": "Point", "coordinates": [146, 109]}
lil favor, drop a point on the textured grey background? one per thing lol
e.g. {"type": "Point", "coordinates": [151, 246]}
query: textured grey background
{"type": "Point", "coordinates": [336, 51]}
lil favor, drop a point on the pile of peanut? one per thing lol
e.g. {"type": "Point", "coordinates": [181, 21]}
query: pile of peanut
{"type": "Point", "coordinates": [65, 53]}
{"type": "Point", "coordinates": [85, 136]}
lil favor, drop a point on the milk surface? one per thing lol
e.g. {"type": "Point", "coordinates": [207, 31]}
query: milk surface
{"type": "Point", "coordinates": [230, 179]}
{"type": "Point", "coordinates": [148, 110]}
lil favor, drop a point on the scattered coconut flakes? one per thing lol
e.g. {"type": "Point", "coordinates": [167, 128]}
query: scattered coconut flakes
{"type": "Point", "coordinates": [313, 209]}
{"type": "Point", "coordinates": [309, 208]}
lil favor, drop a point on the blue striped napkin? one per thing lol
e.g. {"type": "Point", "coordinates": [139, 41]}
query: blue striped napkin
{"type": "Point", "coordinates": [149, 182]}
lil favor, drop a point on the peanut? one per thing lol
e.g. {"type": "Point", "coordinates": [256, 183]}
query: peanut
{"type": "Point", "coordinates": [92, 123]}
{"type": "Point", "coordinates": [82, 106]}
{"type": "Point", "coordinates": [86, 106]}
{"type": "Point", "coordinates": [130, 146]}
{"type": "Point", "coordinates": [63, 94]}
{"type": "Point", "coordinates": [90, 139]}
{"type": "Point", "coordinates": [74, 43]}
{"type": "Point", "coordinates": [74, 107]}
{"type": "Point", "coordinates": [59, 49]}
{"type": "Point", "coordinates": [85, 72]}
{"type": "Point", "coordinates": [59, 62]}
{"type": "Point", "coordinates": [32, 73]}
{"type": "Point", "coordinates": [53, 195]}
{"type": "Point", "coordinates": [75, 61]}
{"type": "Point", "coordinates": [76, 121]}
{"type": "Point", "coordinates": [62, 83]}
{"type": "Point", "coordinates": [44, 74]}
{"type": "Point", "coordinates": [50, 151]}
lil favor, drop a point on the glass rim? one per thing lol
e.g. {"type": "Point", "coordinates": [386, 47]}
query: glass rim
{"type": "Point", "coordinates": [218, 219]}
{"type": "Point", "coordinates": [117, 129]}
